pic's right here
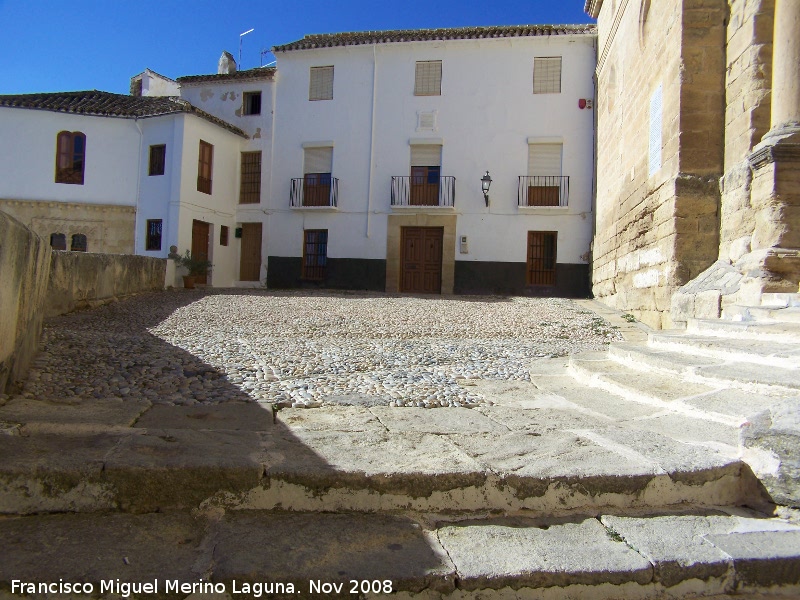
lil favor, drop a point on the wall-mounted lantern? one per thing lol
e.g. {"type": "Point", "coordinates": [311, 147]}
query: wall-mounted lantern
{"type": "Point", "coordinates": [486, 181]}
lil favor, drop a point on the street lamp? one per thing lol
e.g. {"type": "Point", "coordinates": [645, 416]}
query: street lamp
{"type": "Point", "coordinates": [241, 35]}
{"type": "Point", "coordinates": [486, 181]}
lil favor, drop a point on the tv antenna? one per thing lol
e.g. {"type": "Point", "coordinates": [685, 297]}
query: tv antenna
{"type": "Point", "coordinates": [241, 35]}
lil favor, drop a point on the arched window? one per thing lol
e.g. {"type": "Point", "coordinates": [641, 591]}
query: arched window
{"type": "Point", "coordinates": [58, 241]}
{"type": "Point", "coordinates": [70, 157]}
{"type": "Point", "coordinates": [79, 243]}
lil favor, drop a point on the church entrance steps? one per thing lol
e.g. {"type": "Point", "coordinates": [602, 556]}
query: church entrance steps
{"type": "Point", "coordinates": [761, 352]}
{"type": "Point", "coordinates": [778, 299]}
{"type": "Point", "coordinates": [757, 330]}
{"type": "Point", "coordinates": [684, 554]}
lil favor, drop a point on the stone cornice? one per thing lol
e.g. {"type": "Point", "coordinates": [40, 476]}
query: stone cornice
{"type": "Point", "coordinates": [773, 153]}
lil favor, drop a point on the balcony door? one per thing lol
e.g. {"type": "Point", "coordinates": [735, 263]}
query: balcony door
{"type": "Point", "coordinates": [426, 170]}
{"type": "Point", "coordinates": [421, 260]}
{"type": "Point", "coordinates": [317, 167]}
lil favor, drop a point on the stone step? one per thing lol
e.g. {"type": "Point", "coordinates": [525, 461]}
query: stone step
{"type": "Point", "coordinates": [778, 332]}
{"type": "Point", "coordinates": [768, 313]}
{"type": "Point", "coordinates": [302, 555]}
{"type": "Point", "coordinates": [370, 460]}
{"type": "Point", "coordinates": [780, 299]}
{"type": "Point", "coordinates": [713, 371]}
{"type": "Point", "coordinates": [773, 354]}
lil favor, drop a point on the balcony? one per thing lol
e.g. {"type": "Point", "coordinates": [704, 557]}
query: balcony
{"type": "Point", "coordinates": [422, 191]}
{"type": "Point", "coordinates": [315, 190]}
{"type": "Point", "coordinates": [543, 191]}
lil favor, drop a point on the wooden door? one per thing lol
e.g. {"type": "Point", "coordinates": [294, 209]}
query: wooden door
{"type": "Point", "coordinates": [200, 239]}
{"type": "Point", "coordinates": [250, 258]}
{"type": "Point", "coordinates": [421, 260]}
{"type": "Point", "coordinates": [541, 268]}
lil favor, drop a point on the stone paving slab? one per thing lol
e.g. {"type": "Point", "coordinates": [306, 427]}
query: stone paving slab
{"type": "Point", "coordinates": [238, 416]}
{"type": "Point", "coordinates": [746, 329]}
{"type": "Point", "coordinates": [752, 374]}
{"type": "Point", "coordinates": [752, 350]}
{"type": "Point", "coordinates": [762, 558]}
{"type": "Point", "coordinates": [498, 554]}
{"type": "Point", "coordinates": [453, 420]}
{"type": "Point", "coordinates": [109, 412]}
{"type": "Point", "coordinates": [688, 429]}
{"type": "Point", "coordinates": [331, 418]}
{"type": "Point", "coordinates": [540, 420]}
{"type": "Point", "coordinates": [679, 545]}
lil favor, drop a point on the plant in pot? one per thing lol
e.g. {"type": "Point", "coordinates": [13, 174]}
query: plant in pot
{"type": "Point", "coordinates": [196, 265]}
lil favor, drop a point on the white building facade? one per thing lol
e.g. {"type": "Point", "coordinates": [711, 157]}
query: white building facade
{"type": "Point", "coordinates": [381, 141]}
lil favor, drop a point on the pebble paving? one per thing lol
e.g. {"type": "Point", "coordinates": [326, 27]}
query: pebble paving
{"type": "Point", "coordinates": [305, 349]}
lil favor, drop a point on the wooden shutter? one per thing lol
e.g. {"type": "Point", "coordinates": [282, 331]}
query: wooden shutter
{"type": "Point", "coordinates": [320, 85]}
{"type": "Point", "coordinates": [318, 160]}
{"type": "Point", "coordinates": [426, 155]}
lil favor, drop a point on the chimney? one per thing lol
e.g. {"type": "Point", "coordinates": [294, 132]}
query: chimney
{"type": "Point", "coordinates": [227, 64]}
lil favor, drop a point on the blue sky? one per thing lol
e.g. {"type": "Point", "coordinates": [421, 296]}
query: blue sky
{"type": "Point", "coordinates": [51, 45]}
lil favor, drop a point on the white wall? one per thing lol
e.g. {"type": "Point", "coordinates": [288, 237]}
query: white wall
{"type": "Point", "coordinates": [27, 166]}
{"type": "Point", "coordinates": [485, 115]}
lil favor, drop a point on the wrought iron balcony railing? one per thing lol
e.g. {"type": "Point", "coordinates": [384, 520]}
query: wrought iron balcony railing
{"type": "Point", "coordinates": [314, 191]}
{"type": "Point", "coordinates": [412, 190]}
{"type": "Point", "coordinates": [543, 190]}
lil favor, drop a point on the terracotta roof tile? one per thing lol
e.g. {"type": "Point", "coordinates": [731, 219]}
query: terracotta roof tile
{"type": "Point", "coordinates": [106, 104]}
{"type": "Point", "coordinates": [328, 40]}
{"type": "Point", "coordinates": [259, 73]}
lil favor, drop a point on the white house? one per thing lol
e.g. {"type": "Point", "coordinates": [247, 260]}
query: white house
{"type": "Point", "coordinates": [381, 140]}
{"type": "Point", "coordinates": [100, 172]}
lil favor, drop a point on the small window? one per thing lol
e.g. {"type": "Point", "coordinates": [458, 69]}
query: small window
{"type": "Point", "coordinates": [250, 180]}
{"type": "Point", "coordinates": [320, 85]}
{"type": "Point", "coordinates": [541, 266]}
{"type": "Point", "coordinates": [315, 254]}
{"type": "Point", "coordinates": [153, 241]}
{"type": "Point", "coordinates": [204, 165]}
{"type": "Point", "coordinates": [223, 235]}
{"type": "Point", "coordinates": [70, 157]}
{"type": "Point", "coordinates": [428, 78]}
{"type": "Point", "coordinates": [158, 159]}
{"type": "Point", "coordinates": [251, 103]}
{"type": "Point", "coordinates": [79, 243]}
{"type": "Point", "coordinates": [547, 75]}
{"type": "Point", "coordinates": [58, 241]}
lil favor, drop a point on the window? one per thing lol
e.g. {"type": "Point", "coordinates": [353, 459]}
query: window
{"type": "Point", "coordinates": [317, 168]}
{"type": "Point", "coordinates": [320, 85]}
{"type": "Point", "coordinates": [204, 163]}
{"type": "Point", "coordinates": [544, 179]}
{"type": "Point", "coordinates": [153, 241]}
{"type": "Point", "coordinates": [541, 267]}
{"type": "Point", "coordinates": [250, 180]}
{"type": "Point", "coordinates": [223, 235]}
{"type": "Point", "coordinates": [58, 241]}
{"type": "Point", "coordinates": [428, 78]}
{"type": "Point", "coordinates": [70, 155]}
{"type": "Point", "coordinates": [315, 254]}
{"type": "Point", "coordinates": [158, 158]}
{"type": "Point", "coordinates": [79, 243]}
{"type": "Point", "coordinates": [251, 103]}
{"type": "Point", "coordinates": [426, 160]}
{"type": "Point", "coordinates": [547, 75]}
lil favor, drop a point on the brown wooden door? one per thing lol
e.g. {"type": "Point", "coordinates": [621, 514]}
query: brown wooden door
{"type": "Point", "coordinates": [250, 259]}
{"type": "Point", "coordinates": [421, 260]}
{"type": "Point", "coordinates": [200, 238]}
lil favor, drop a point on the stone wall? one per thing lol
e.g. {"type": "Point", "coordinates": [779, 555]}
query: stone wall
{"type": "Point", "coordinates": [82, 280]}
{"type": "Point", "coordinates": [747, 117]}
{"type": "Point", "coordinates": [108, 228]}
{"type": "Point", "coordinates": [657, 229]}
{"type": "Point", "coordinates": [24, 264]}
{"type": "Point", "coordinates": [38, 282]}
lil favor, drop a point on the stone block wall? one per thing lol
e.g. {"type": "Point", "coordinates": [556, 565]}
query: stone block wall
{"type": "Point", "coordinates": [747, 117]}
{"type": "Point", "coordinates": [657, 231]}
{"type": "Point", "coordinates": [25, 266]}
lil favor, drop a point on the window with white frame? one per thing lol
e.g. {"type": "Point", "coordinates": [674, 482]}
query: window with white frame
{"type": "Point", "coordinates": [547, 75]}
{"type": "Point", "coordinates": [320, 86]}
{"type": "Point", "coordinates": [428, 78]}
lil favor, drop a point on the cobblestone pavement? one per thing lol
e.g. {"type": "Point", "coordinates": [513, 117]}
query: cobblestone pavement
{"type": "Point", "coordinates": [305, 348]}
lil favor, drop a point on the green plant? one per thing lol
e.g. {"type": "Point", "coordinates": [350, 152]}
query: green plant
{"type": "Point", "coordinates": [629, 318]}
{"type": "Point", "coordinates": [195, 265]}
